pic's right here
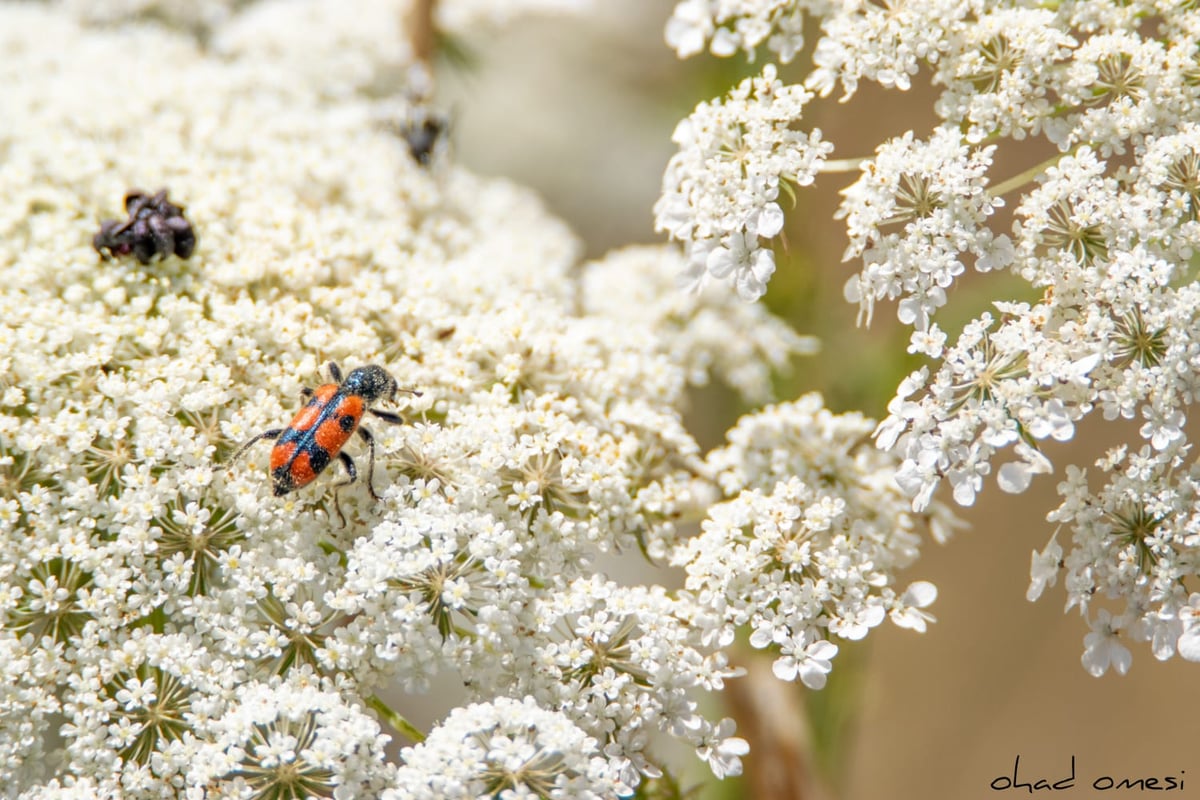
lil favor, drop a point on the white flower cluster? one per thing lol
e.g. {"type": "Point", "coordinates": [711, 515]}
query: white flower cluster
{"type": "Point", "coordinates": [707, 332]}
{"type": "Point", "coordinates": [805, 547]}
{"type": "Point", "coordinates": [506, 748]}
{"type": "Point", "coordinates": [297, 23]}
{"type": "Point", "coordinates": [885, 43]}
{"type": "Point", "coordinates": [320, 44]}
{"type": "Point", "coordinates": [297, 732]}
{"type": "Point", "coordinates": [721, 190]}
{"type": "Point", "coordinates": [726, 26]}
{"type": "Point", "coordinates": [168, 627]}
{"type": "Point", "coordinates": [1114, 331]}
{"type": "Point", "coordinates": [196, 18]}
{"type": "Point", "coordinates": [1133, 541]}
{"type": "Point", "coordinates": [1104, 234]}
{"type": "Point", "coordinates": [912, 216]}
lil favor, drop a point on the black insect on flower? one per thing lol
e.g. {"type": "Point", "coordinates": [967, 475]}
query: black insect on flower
{"type": "Point", "coordinates": [156, 227]}
{"type": "Point", "coordinates": [421, 127]}
{"type": "Point", "coordinates": [423, 136]}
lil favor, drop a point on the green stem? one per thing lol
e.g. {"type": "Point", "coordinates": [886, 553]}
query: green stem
{"type": "Point", "coordinates": [1004, 187]}
{"type": "Point", "coordinates": [842, 164]}
{"type": "Point", "coordinates": [398, 723]}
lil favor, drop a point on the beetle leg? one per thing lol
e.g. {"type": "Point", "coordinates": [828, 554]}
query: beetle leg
{"type": "Point", "coordinates": [387, 416]}
{"type": "Point", "coordinates": [274, 433]}
{"type": "Point", "coordinates": [306, 393]}
{"type": "Point", "coordinates": [335, 371]}
{"type": "Point", "coordinates": [366, 436]}
{"type": "Point", "coordinates": [351, 471]}
{"type": "Point", "coordinates": [107, 241]}
{"type": "Point", "coordinates": [352, 476]}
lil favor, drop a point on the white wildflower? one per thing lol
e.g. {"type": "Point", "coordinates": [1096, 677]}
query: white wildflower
{"type": "Point", "coordinates": [1002, 72]}
{"type": "Point", "coordinates": [289, 737]}
{"type": "Point", "coordinates": [1043, 571]}
{"type": "Point", "coordinates": [796, 528]}
{"type": "Point", "coordinates": [510, 747]}
{"type": "Point", "coordinates": [706, 332]}
{"type": "Point", "coordinates": [885, 43]}
{"type": "Point", "coordinates": [721, 191]}
{"type": "Point", "coordinates": [1189, 639]}
{"type": "Point", "coordinates": [1103, 648]}
{"type": "Point", "coordinates": [908, 611]}
{"type": "Point", "coordinates": [917, 211]}
{"type": "Point", "coordinates": [726, 26]}
{"type": "Point", "coordinates": [1102, 235]}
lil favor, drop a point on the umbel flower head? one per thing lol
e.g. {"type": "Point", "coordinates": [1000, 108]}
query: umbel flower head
{"type": "Point", "coordinates": [507, 748]}
{"type": "Point", "coordinates": [721, 191]}
{"type": "Point", "coordinates": [169, 627]}
{"type": "Point", "coordinates": [1103, 234]}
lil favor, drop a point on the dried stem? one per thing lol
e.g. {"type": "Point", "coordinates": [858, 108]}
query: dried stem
{"type": "Point", "coordinates": [771, 716]}
{"type": "Point", "coordinates": [421, 32]}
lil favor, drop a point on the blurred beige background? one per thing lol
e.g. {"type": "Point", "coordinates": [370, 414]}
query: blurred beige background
{"type": "Point", "coordinates": [582, 109]}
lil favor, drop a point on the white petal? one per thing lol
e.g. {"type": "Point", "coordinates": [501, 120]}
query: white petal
{"type": "Point", "coordinates": [1014, 477]}
{"type": "Point", "coordinates": [724, 43]}
{"type": "Point", "coordinates": [813, 676]}
{"type": "Point", "coordinates": [721, 262]}
{"type": "Point", "coordinates": [785, 668]}
{"type": "Point", "coordinates": [919, 594]}
{"type": "Point", "coordinates": [770, 220]}
{"type": "Point", "coordinates": [1189, 644]}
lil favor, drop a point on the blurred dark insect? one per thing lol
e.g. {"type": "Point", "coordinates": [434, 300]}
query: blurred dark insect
{"type": "Point", "coordinates": [156, 227]}
{"type": "Point", "coordinates": [423, 130]}
{"type": "Point", "coordinates": [423, 137]}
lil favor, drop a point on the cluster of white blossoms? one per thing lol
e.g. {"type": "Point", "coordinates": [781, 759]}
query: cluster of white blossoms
{"type": "Point", "coordinates": [802, 549]}
{"type": "Point", "coordinates": [726, 26]}
{"type": "Point", "coordinates": [1103, 233]}
{"type": "Point", "coordinates": [708, 332]}
{"type": "Point", "coordinates": [168, 627]}
{"type": "Point", "coordinates": [912, 216]}
{"type": "Point", "coordinates": [501, 748]}
{"type": "Point", "coordinates": [305, 17]}
{"type": "Point", "coordinates": [198, 18]}
{"type": "Point", "coordinates": [721, 190]}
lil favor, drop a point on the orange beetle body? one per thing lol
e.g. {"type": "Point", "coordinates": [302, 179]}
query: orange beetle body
{"type": "Point", "coordinates": [319, 431]}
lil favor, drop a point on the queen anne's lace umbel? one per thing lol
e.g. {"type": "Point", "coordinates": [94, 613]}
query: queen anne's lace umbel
{"type": "Point", "coordinates": [721, 191]}
{"type": "Point", "coordinates": [170, 628]}
{"type": "Point", "coordinates": [1103, 234]}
